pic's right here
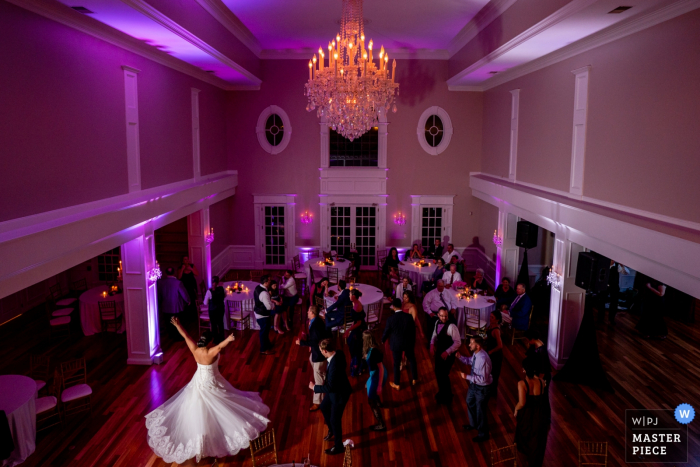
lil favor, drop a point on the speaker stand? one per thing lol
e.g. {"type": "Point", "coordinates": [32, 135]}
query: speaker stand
{"type": "Point", "coordinates": [584, 366]}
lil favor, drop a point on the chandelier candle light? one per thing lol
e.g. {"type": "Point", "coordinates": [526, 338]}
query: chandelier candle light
{"type": "Point", "coordinates": [496, 239]}
{"type": "Point", "coordinates": [209, 238]}
{"type": "Point", "coordinates": [399, 219]}
{"type": "Point", "coordinates": [306, 218]}
{"type": "Point", "coordinates": [351, 91]}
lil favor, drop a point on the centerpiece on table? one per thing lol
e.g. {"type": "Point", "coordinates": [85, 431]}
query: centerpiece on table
{"type": "Point", "coordinates": [461, 288]}
{"type": "Point", "coordinates": [114, 289]}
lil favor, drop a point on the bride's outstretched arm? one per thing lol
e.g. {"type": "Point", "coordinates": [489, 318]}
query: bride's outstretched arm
{"type": "Point", "coordinates": [190, 343]}
{"type": "Point", "coordinates": [214, 351]}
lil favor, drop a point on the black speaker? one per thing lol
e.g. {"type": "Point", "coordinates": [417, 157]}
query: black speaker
{"type": "Point", "coordinates": [592, 271]}
{"type": "Point", "coordinates": [527, 235]}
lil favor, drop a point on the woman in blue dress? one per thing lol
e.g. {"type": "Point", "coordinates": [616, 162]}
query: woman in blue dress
{"type": "Point", "coordinates": [357, 364]}
{"type": "Point", "coordinates": [377, 377]}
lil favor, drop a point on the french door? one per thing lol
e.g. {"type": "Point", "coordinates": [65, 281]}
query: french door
{"type": "Point", "coordinates": [275, 243]}
{"type": "Point", "coordinates": [354, 225]}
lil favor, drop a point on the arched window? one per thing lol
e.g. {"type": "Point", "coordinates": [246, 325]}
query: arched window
{"type": "Point", "coordinates": [434, 130]}
{"type": "Point", "coordinates": [274, 129]}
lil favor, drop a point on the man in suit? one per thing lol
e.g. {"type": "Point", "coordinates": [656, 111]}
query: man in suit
{"type": "Point", "coordinates": [435, 251]}
{"type": "Point", "coordinates": [172, 298]}
{"type": "Point", "coordinates": [400, 330]}
{"type": "Point", "coordinates": [337, 389]}
{"type": "Point", "coordinates": [336, 312]}
{"type": "Point", "coordinates": [316, 333]}
{"type": "Point", "coordinates": [520, 309]}
{"type": "Point", "coordinates": [443, 345]}
{"type": "Point", "coordinates": [263, 311]}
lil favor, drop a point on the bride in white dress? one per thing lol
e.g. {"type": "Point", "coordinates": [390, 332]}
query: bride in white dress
{"type": "Point", "coordinates": [208, 417]}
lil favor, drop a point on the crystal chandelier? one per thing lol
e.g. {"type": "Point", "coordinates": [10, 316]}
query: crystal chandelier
{"type": "Point", "coordinates": [349, 89]}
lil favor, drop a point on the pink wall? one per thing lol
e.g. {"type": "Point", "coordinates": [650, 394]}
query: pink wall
{"type": "Point", "coordinates": [220, 221]}
{"type": "Point", "coordinates": [642, 121]}
{"type": "Point", "coordinates": [63, 125]}
{"type": "Point", "coordinates": [411, 170]}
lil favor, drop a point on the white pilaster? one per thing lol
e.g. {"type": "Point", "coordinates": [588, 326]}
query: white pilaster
{"type": "Point", "coordinates": [514, 112]}
{"type": "Point", "coordinates": [140, 298]}
{"type": "Point", "coordinates": [196, 166]}
{"type": "Point", "coordinates": [133, 150]}
{"type": "Point", "coordinates": [578, 142]}
{"type": "Point", "coordinates": [508, 252]}
{"type": "Point", "coordinates": [198, 249]}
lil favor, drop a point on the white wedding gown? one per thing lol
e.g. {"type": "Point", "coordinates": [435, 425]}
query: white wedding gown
{"type": "Point", "coordinates": [206, 418]}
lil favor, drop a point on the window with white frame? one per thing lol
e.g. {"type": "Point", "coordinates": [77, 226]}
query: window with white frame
{"type": "Point", "coordinates": [431, 218]}
{"type": "Point", "coordinates": [431, 225]}
{"type": "Point", "coordinates": [434, 130]}
{"type": "Point", "coordinates": [354, 225]}
{"type": "Point", "coordinates": [275, 242]}
{"type": "Point", "coordinates": [360, 152]}
{"type": "Point", "coordinates": [274, 130]}
{"type": "Point", "coordinates": [274, 231]}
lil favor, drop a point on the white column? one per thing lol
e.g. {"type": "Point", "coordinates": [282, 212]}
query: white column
{"type": "Point", "coordinates": [567, 303]}
{"type": "Point", "coordinates": [199, 251]}
{"type": "Point", "coordinates": [324, 211]}
{"type": "Point", "coordinates": [383, 132]}
{"type": "Point", "coordinates": [325, 143]}
{"type": "Point", "coordinates": [197, 171]}
{"type": "Point", "coordinates": [140, 299]}
{"type": "Point", "coordinates": [507, 253]}
{"type": "Point", "coordinates": [133, 151]}
{"type": "Point", "coordinates": [578, 142]}
{"type": "Point", "coordinates": [514, 111]}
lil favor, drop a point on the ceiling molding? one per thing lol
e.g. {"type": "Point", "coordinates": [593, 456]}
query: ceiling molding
{"type": "Point", "coordinates": [243, 87]}
{"type": "Point", "coordinates": [225, 16]}
{"type": "Point", "coordinates": [465, 88]}
{"type": "Point", "coordinates": [65, 15]}
{"type": "Point", "coordinates": [400, 54]}
{"type": "Point", "coordinates": [483, 18]}
{"type": "Point", "coordinates": [571, 8]}
{"type": "Point", "coordinates": [144, 8]}
{"type": "Point", "coordinates": [605, 36]}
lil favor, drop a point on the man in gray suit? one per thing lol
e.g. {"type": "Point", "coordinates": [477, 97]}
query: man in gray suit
{"type": "Point", "coordinates": [172, 299]}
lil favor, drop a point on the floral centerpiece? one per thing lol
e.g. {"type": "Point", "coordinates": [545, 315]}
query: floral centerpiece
{"type": "Point", "coordinates": [114, 288]}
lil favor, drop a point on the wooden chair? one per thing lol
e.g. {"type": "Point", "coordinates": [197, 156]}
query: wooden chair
{"type": "Point", "coordinates": [592, 453]}
{"type": "Point", "coordinates": [313, 280]}
{"type": "Point", "coordinates": [76, 392]}
{"type": "Point", "coordinates": [347, 321]}
{"type": "Point", "coordinates": [110, 318]}
{"type": "Point", "coordinates": [321, 304]}
{"type": "Point", "coordinates": [228, 277]}
{"type": "Point", "coordinates": [332, 275]}
{"type": "Point", "coordinates": [296, 267]}
{"type": "Point", "coordinates": [326, 255]}
{"type": "Point", "coordinates": [59, 325]}
{"type": "Point", "coordinates": [347, 460]}
{"type": "Point", "coordinates": [57, 293]}
{"type": "Point", "coordinates": [39, 370]}
{"type": "Point", "coordinates": [80, 285]}
{"type": "Point", "coordinates": [504, 456]}
{"type": "Point", "coordinates": [263, 449]}
{"type": "Point", "coordinates": [203, 320]}
{"type": "Point", "coordinates": [238, 316]}
{"type": "Point", "coordinates": [472, 322]}
{"type": "Point", "coordinates": [48, 412]}
{"type": "Point", "coordinates": [513, 330]}
{"type": "Point", "coordinates": [256, 274]}
{"type": "Point", "coordinates": [56, 312]}
{"type": "Point", "coordinates": [374, 315]}
{"type": "Point", "coordinates": [202, 289]}
{"type": "Point", "coordinates": [351, 275]}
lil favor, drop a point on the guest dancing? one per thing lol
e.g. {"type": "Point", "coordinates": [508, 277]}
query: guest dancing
{"type": "Point", "coordinates": [316, 333]}
{"type": "Point", "coordinates": [354, 335]}
{"type": "Point", "coordinates": [434, 300]}
{"type": "Point", "coordinates": [172, 298]}
{"type": "Point", "coordinates": [290, 297]}
{"type": "Point", "coordinates": [263, 312]}
{"type": "Point", "coordinates": [337, 390]}
{"type": "Point", "coordinates": [377, 377]}
{"type": "Point", "coordinates": [208, 408]}
{"type": "Point", "coordinates": [480, 381]}
{"type": "Point", "coordinates": [443, 345]}
{"type": "Point", "coordinates": [400, 331]}
{"type": "Point", "coordinates": [532, 415]}
{"type": "Point", "coordinates": [214, 299]}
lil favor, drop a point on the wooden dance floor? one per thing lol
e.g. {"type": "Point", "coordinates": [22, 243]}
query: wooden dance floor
{"type": "Point", "coordinates": [645, 374]}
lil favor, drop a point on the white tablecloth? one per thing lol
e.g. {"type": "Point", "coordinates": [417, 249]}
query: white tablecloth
{"type": "Point", "coordinates": [322, 270]}
{"type": "Point", "coordinates": [242, 297]}
{"type": "Point", "coordinates": [480, 303]}
{"type": "Point", "coordinates": [90, 310]}
{"type": "Point", "coordinates": [17, 399]}
{"type": "Point", "coordinates": [370, 294]}
{"type": "Point", "coordinates": [419, 274]}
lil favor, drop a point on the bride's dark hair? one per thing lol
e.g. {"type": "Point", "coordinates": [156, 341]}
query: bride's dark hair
{"type": "Point", "coordinates": [205, 339]}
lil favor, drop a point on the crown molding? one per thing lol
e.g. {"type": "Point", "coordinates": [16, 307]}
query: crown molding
{"type": "Point", "coordinates": [65, 15]}
{"type": "Point", "coordinates": [605, 36]}
{"type": "Point", "coordinates": [465, 88]}
{"type": "Point", "coordinates": [483, 18]}
{"type": "Point", "coordinates": [571, 8]}
{"type": "Point", "coordinates": [400, 54]}
{"type": "Point", "coordinates": [225, 16]}
{"type": "Point", "coordinates": [144, 8]}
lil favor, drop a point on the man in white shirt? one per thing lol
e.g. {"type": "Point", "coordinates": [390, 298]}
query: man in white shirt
{"type": "Point", "coordinates": [451, 276]}
{"type": "Point", "coordinates": [402, 287]}
{"type": "Point", "coordinates": [450, 253]}
{"type": "Point", "coordinates": [443, 345]}
{"type": "Point", "coordinates": [263, 311]}
{"type": "Point", "coordinates": [437, 298]}
{"type": "Point", "coordinates": [290, 297]}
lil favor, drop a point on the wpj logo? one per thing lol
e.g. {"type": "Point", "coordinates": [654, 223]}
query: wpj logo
{"type": "Point", "coordinates": [657, 435]}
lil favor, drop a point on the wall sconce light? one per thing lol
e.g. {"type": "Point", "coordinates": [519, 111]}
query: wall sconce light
{"type": "Point", "coordinates": [154, 274]}
{"type": "Point", "coordinates": [496, 239]}
{"type": "Point", "coordinates": [210, 236]}
{"type": "Point", "coordinates": [554, 279]}
{"type": "Point", "coordinates": [306, 218]}
{"type": "Point", "coordinates": [399, 219]}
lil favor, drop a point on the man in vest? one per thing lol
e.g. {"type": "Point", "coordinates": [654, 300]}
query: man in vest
{"type": "Point", "coordinates": [443, 345]}
{"type": "Point", "coordinates": [214, 300]}
{"type": "Point", "coordinates": [263, 310]}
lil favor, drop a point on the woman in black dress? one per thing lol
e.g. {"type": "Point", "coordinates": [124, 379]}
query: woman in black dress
{"type": "Point", "coordinates": [354, 335]}
{"type": "Point", "coordinates": [651, 323]}
{"type": "Point", "coordinates": [392, 261]}
{"type": "Point", "coordinates": [188, 276]}
{"type": "Point", "coordinates": [532, 416]}
{"type": "Point", "coordinates": [494, 347]}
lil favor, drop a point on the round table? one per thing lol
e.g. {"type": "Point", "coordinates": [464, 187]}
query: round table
{"type": "Point", "coordinates": [242, 297]}
{"type": "Point", "coordinates": [480, 303]}
{"type": "Point", "coordinates": [17, 399]}
{"type": "Point", "coordinates": [90, 310]}
{"type": "Point", "coordinates": [419, 274]}
{"type": "Point", "coordinates": [321, 270]}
